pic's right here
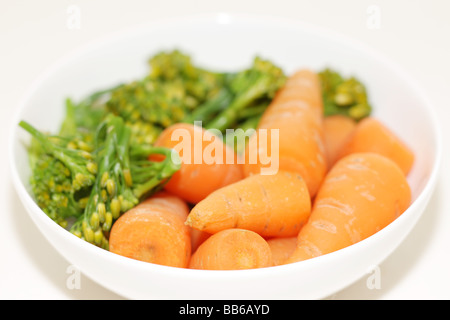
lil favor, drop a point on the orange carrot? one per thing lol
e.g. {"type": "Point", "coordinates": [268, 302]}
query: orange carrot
{"type": "Point", "coordinates": [282, 249]}
{"type": "Point", "coordinates": [336, 129]}
{"type": "Point", "coordinates": [203, 169]}
{"type": "Point", "coordinates": [276, 205]}
{"type": "Point", "coordinates": [297, 112]}
{"type": "Point", "coordinates": [370, 135]}
{"type": "Point", "coordinates": [362, 194]}
{"type": "Point", "coordinates": [180, 208]}
{"type": "Point", "coordinates": [232, 249]}
{"type": "Point", "coordinates": [154, 231]}
{"type": "Point", "coordinates": [197, 238]}
{"type": "Point", "coordinates": [168, 201]}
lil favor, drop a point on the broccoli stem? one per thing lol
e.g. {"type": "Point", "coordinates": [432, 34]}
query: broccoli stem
{"type": "Point", "coordinates": [164, 170]}
{"type": "Point", "coordinates": [97, 217]}
{"type": "Point", "coordinates": [69, 125]}
{"type": "Point", "coordinates": [251, 123]}
{"type": "Point", "coordinates": [228, 117]}
{"type": "Point", "coordinates": [207, 110]}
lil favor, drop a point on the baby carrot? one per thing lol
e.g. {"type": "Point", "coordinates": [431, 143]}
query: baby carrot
{"type": "Point", "coordinates": [371, 135]}
{"type": "Point", "coordinates": [362, 194]}
{"type": "Point", "coordinates": [232, 249]}
{"type": "Point", "coordinates": [154, 231]}
{"type": "Point", "coordinates": [168, 201]}
{"type": "Point", "coordinates": [197, 238]}
{"type": "Point", "coordinates": [271, 205]}
{"type": "Point", "coordinates": [180, 208]}
{"type": "Point", "coordinates": [297, 112]}
{"type": "Point", "coordinates": [206, 162]}
{"type": "Point", "coordinates": [336, 129]}
{"type": "Point", "coordinates": [282, 249]}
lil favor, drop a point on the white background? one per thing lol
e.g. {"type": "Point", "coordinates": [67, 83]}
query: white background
{"type": "Point", "coordinates": [33, 34]}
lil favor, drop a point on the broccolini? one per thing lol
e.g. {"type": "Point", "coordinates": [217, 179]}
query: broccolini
{"type": "Point", "coordinates": [61, 174]}
{"type": "Point", "coordinates": [172, 89]}
{"type": "Point", "coordinates": [346, 96]}
{"type": "Point", "coordinates": [251, 88]}
{"type": "Point", "coordinates": [125, 176]}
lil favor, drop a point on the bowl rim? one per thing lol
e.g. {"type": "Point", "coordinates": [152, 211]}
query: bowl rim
{"type": "Point", "coordinates": [223, 18]}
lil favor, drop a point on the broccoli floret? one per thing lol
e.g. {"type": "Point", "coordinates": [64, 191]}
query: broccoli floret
{"type": "Point", "coordinates": [98, 185]}
{"type": "Point", "coordinates": [200, 84]}
{"type": "Point", "coordinates": [143, 132]}
{"type": "Point", "coordinates": [156, 103]}
{"type": "Point", "coordinates": [125, 176]}
{"type": "Point", "coordinates": [62, 171]}
{"type": "Point", "coordinates": [345, 96]}
{"type": "Point", "coordinates": [53, 191]}
{"type": "Point", "coordinates": [79, 162]}
{"type": "Point", "coordinates": [83, 118]}
{"type": "Point", "coordinates": [173, 88]}
{"type": "Point", "coordinates": [172, 65]}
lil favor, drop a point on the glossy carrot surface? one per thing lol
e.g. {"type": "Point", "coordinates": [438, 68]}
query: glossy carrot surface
{"type": "Point", "coordinates": [232, 249]}
{"type": "Point", "coordinates": [276, 205]}
{"type": "Point", "coordinates": [336, 129]}
{"type": "Point", "coordinates": [362, 194]}
{"type": "Point", "coordinates": [207, 163]}
{"type": "Point", "coordinates": [154, 231]}
{"type": "Point", "coordinates": [297, 114]}
{"type": "Point", "coordinates": [371, 135]}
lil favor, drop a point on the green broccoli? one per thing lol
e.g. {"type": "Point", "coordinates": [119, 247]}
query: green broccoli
{"type": "Point", "coordinates": [79, 162]}
{"type": "Point", "coordinates": [97, 185]}
{"type": "Point", "coordinates": [250, 88]}
{"type": "Point", "coordinates": [173, 88]}
{"type": "Point", "coordinates": [125, 176]}
{"type": "Point", "coordinates": [61, 172]}
{"type": "Point", "coordinates": [199, 84]}
{"type": "Point", "coordinates": [345, 96]}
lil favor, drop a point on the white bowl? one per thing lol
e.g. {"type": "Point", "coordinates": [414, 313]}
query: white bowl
{"type": "Point", "coordinates": [227, 42]}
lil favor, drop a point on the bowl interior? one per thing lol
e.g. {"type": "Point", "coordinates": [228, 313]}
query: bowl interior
{"type": "Point", "coordinates": [228, 42]}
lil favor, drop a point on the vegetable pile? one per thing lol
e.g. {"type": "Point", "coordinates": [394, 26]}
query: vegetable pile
{"type": "Point", "coordinates": [112, 176]}
{"type": "Point", "coordinates": [97, 166]}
